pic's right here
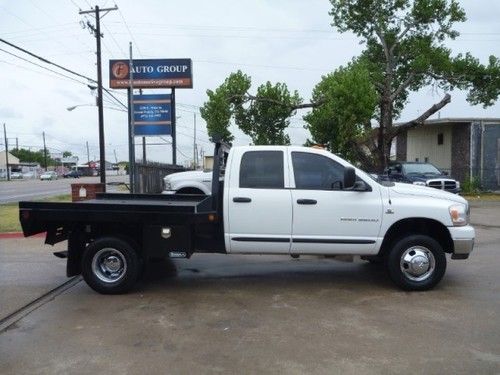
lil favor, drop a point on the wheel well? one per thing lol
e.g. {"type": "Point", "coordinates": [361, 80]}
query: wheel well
{"type": "Point", "coordinates": [429, 227]}
{"type": "Point", "coordinates": [80, 238]}
{"type": "Point", "coordinates": [190, 190]}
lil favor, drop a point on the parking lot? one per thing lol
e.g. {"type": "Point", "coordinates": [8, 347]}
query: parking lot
{"type": "Point", "coordinates": [256, 314]}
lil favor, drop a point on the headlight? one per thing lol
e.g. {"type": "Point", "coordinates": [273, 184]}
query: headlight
{"type": "Point", "coordinates": [419, 183]}
{"type": "Point", "coordinates": [458, 185]}
{"type": "Point", "coordinates": [167, 185]}
{"type": "Point", "coordinates": [459, 214]}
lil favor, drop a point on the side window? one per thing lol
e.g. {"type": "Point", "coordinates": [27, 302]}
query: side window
{"type": "Point", "coordinates": [262, 170]}
{"type": "Point", "coordinates": [316, 172]}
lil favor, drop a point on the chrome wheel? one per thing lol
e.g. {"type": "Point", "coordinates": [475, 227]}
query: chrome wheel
{"type": "Point", "coordinates": [417, 263]}
{"type": "Point", "coordinates": [109, 265]}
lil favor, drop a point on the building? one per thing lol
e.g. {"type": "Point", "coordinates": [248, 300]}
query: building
{"type": "Point", "coordinates": [464, 147]}
{"type": "Point", "coordinates": [13, 163]}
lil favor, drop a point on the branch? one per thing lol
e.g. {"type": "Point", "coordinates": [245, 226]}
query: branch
{"type": "Point", "coordinates": [248, 97]}
{"type": "Point", "coordinates": [384, 44]}
{"type": "Point", "coordinates": [420, 119]}
{"type": "Point", "coordinates": [403, 86]}
{"type": "Point", "coordinates": [401, 36]}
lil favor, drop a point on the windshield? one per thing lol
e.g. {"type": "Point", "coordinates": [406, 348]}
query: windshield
{"type": "Point", "coordinates": [420, 168]}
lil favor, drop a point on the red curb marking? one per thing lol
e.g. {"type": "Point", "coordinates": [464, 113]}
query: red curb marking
{"type": "Point", "coordinates": [17, 235]}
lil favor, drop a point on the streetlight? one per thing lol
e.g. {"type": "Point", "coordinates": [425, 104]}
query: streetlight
{"type": "Point", "coordinates": [93, 105]}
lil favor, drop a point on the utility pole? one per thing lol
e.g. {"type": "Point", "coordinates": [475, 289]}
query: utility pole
{"type": "Point", "coordinates": [44, 152]}
{"type": "Point", "coordinates": [88, 154]}
{"type": "Point", "coordinates": [131, 124]}
{"type": "Point", "coordinates": [194, 142]}
{"type": "Point", "coordinates": [17, 143]}
{"type": "Point", "coordinates": [97, 33]}
{"type": "Point", "coordinates": [174, 120]}
{"type": "Point", "coordinates": [6, 151]}
{"type": "Point", "coordinates": [143, 150]}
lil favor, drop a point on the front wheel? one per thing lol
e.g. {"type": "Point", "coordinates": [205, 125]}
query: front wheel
{"type": "Point", "coordinates": [416, 262]}
{"type": "Point", "coordinates": [110, 265]}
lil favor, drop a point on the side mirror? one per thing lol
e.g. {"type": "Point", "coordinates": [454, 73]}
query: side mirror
{"type": "Point", "coordinates": [349, 178]}
{"type": "Point", "coordinates": [445, 173]}
{"type": "Point", "coordinates": [361, 186]}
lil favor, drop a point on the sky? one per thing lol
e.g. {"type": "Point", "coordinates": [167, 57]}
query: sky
{"type": "Point", "coordinates": [288, 41]}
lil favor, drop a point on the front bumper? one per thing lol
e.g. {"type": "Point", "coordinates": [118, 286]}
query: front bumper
{"type": "Point", "coordinates": [463, 241]}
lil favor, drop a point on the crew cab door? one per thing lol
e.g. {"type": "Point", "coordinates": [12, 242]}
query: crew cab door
{"type": "Point", "coordinates": [326, 218]}
{"type": "Point", "coordinates": [258, 218]}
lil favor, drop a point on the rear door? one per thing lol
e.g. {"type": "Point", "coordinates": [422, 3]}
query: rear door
{"type": "Point", "coordinates": [259, 208]}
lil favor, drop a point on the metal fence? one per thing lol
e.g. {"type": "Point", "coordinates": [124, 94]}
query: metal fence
{"type": "Point", "coordinates": [150, 176]}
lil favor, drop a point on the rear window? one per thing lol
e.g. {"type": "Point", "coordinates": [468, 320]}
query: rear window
{"type": "Point", "coordinates": [262, 170]}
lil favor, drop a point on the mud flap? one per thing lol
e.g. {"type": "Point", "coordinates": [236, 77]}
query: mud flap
{"type": "Point", "coordinates": [76, 247]}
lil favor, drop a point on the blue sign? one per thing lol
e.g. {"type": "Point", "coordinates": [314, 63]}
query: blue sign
{"type": "Point", "coordinates": [151, 73]}
{"type": "Point", "coordinates": [152, 115]}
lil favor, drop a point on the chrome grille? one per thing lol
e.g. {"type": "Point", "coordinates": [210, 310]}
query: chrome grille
{"type": "Point", "coordinates": [450, 185]}
{"type": "Point", "coordinates": [435, 184]}
{"type": "Point", "coordinates": [442, 184]}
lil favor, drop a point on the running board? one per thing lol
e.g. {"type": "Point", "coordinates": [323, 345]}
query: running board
{"type": "Point", "coordinates": [61, 254]}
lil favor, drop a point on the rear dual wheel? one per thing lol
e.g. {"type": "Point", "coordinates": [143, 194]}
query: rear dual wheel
{"type": "Point", "coordinates": [110, 265]}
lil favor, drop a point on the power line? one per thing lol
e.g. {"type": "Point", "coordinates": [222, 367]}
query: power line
{"type": "Point", "coordinates": [45, 60]}
{"type": "Point", "coordinates": [56, 65]}
{"type": "Point", "coordinates": [41, 66]}
{"type": "Point", "coordinates": [130, 32]}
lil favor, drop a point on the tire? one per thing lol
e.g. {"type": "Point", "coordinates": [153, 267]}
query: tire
{"type": "Point", "coordinates": [110, 265]}
{"type": "Point", "coordinates": [416, 262]}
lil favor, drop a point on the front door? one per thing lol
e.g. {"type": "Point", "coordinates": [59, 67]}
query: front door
{"type": "Point", "coordinates": [259, 206]}
{"type": "Point", "coordinates": [327, 219]}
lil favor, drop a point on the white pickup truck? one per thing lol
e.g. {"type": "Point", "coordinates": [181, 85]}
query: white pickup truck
{"type": "Point", "coordinates": [264, 200]}
{"type": "Point", "coordinates": [192, 182]}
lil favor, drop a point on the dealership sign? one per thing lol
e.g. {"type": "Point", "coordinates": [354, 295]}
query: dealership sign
{"type": "Point", "coordinates": [152, 115]}
{"type": "Point", "coordinates": [151, 73]}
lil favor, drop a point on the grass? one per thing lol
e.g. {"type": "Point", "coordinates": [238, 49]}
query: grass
{"type": "Point", "coordinates": [9, 213]}
{"type": "Point", "coordinates": [482, 197]}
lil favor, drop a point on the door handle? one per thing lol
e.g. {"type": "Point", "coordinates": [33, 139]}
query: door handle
{"type": "Point", "coordinates": [307, 201]}
{"type": "Point", "coordinates": [241, 200]}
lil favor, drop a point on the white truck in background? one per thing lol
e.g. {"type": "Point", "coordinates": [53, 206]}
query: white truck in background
{"type": "Point", "coordinates": [192, 182]}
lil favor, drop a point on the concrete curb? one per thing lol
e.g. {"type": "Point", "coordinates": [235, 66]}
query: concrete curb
{"type": "Point", "coordinates": [8, 235]}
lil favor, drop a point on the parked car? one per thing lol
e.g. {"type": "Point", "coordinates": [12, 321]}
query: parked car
{"type": "Point", "coordinates": [422, 174]}
{"type": "Point", "coordinates": [193, 182]}
{"type": "Point", "coordinates": [49, 175]}
{"type": "Point", "coordinates": [16, 175]}
{"type": "Point", "coordinates": [29, 175]}
{"type": "Point", "coordinates": [72, 174]}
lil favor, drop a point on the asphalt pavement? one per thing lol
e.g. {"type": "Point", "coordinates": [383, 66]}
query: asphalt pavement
{"type": "Point", "coordinates": [30, 189]}
{"type": "Point", "coordinates": [258, 314]}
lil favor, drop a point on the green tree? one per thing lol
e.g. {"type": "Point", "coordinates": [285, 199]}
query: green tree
{"type": "Point", "coordinates": [348, 102]}
{"type": "Point", "coordinates": [28, 156]}
{"type": "Point", "coordinates": [263, 116]}
{"type": "Point", "coordinates": [405, 51]}
{"type": "Point", "coordinates": [67, 154]}
{"type": "Point", "coordinates": [222, 103]}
